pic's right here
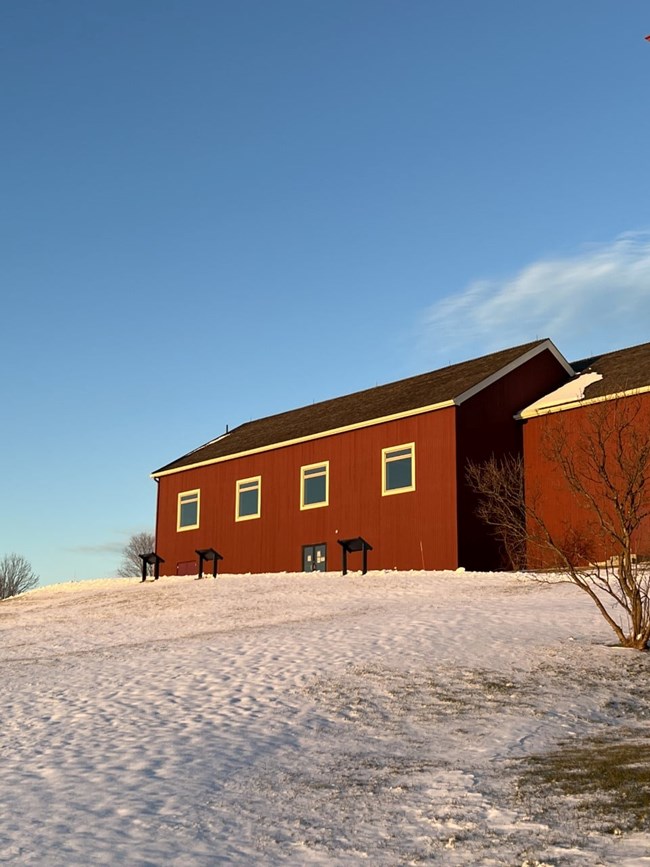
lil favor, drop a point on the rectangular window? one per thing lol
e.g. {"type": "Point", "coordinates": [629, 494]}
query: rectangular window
{"type": "Point", "coordinates": [398, 469]}
{"type": "Point", "coordinates": [248, 502]}
{"type": "Point", "coordinates": [188, 510]}
{"type": "Point", "coordinates": [314, 485]}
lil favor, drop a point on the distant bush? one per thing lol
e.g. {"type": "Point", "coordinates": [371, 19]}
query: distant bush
{"type": "Point", "coordinates": [139, 543]}
{"type": "Point", "coordinates": [16, 576]}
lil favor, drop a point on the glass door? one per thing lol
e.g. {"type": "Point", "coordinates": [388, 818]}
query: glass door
{"type": "Point", "coordinates": [314, 558]}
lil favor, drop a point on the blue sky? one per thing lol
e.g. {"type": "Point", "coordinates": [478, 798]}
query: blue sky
{"type": "Point", "coordinates": [212, 211]}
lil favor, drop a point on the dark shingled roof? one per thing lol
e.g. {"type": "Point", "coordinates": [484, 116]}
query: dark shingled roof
{"type": "Point", "coordinates": [622, 370]}
{"type": "Point", "coordinates": [396, 397]}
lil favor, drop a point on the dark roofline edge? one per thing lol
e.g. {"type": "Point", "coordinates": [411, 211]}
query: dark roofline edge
{"type": "Point", "coordinates": [536, 348]}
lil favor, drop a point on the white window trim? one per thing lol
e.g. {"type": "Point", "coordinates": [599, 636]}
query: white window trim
{"type": "Point", "coordinates": [182, 529]}
{"type": "Point", "coordinates": [385, 458]}
{"type": "Point", "coordinates": [238, 487]}
{"type": "Point", "coordinates": [326, 465]}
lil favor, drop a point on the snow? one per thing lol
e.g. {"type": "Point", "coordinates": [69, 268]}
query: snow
{"type": "Point", "coordinates": [571, 392]}
{"type": "Point", "coordinates": [297, 719]}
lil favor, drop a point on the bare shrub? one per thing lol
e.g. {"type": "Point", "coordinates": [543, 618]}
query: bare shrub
{"type": "Point", "coordinates": [601, 460]}
{"type": "Point", "coordinates": [131, 565]}
{"type": "Point", "coordinates": [500, 484]}
{"type": "Point", "coordinates": [16, 576]}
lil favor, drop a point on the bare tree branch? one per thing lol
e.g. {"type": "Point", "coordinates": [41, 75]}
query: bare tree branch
{"type": "Point", "coordinates": [603, 462]}
{"type": "Point", "coordinates": [16, 576]}
{"type": "Point", "coordinates": [131, 565]}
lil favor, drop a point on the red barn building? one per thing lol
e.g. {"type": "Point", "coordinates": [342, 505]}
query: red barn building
{"type": "Point", "coordinates": [601, 420]}
{"type": "Point", "coordinates": [387, 464]}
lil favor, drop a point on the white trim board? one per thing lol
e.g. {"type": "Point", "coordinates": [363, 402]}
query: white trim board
{"type": "Point", "coordinates": [529, 412]}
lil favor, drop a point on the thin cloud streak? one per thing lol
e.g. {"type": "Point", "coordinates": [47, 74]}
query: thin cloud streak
{"type": "Point", "coordinates": [99, 548]}
{"type": "Point", "coordinates": [595, 300]}
{"type": "Point", "coordinates": [112, 547]}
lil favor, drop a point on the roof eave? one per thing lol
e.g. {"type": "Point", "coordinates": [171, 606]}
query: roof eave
{"type": "Point", "coordinates": [315, 436]}
{"type": "Point", "coordinates": [587, 401]}
{"type": "Point", "coordinates": [542, 346]}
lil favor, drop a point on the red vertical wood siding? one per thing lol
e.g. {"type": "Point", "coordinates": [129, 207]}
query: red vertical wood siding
{"type": "Point", "coordinates": [561, 509]}
{"type": "Point", "coordinates": [412, 530]}
{"type": "Point", "coordinates": [486, 426]}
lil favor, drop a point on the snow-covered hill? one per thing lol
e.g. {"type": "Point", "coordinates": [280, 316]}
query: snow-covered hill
{"type": "Point", "coordinates": [294, 719]}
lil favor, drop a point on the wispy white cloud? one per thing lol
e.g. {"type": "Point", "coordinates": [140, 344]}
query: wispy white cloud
{"type": "Point", "coordinates": [99, 548]}
{"type": "Point", "coordinates": [108, 547]}
{"type": "Point", "coordinates": [594, 300]}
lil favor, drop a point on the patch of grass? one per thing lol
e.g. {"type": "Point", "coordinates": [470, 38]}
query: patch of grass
{"type": "Point", "coordinates": [607, 782]}
{"type": "Point", "coordinates": [374, 695]}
